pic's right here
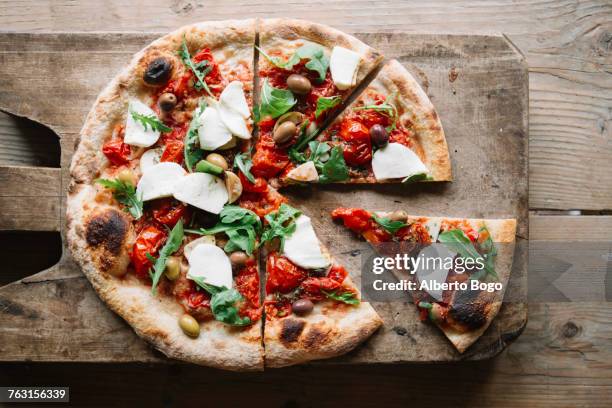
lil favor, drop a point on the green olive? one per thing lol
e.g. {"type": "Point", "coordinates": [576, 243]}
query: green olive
{"type": "Point", "coordinates": [127, 176]}
{"type": "Point", "coordinates": [298, 84]}
{"type": "Point", "coordinates": [238, 258]}
{"type": "Point", "coordinates": [233, 186]}
{"type": "Point", "coordinates": [217, 160]}
{"type": "Point", "coordinates": [173, 268]}
{"type": "Point", "coordinates": [284, 132]}
{"type": "Point", "coordinates": [167, 101]}
{"type": "Point", "coordinates": [189, 325]}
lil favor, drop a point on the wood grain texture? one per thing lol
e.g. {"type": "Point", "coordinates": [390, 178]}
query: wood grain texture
{"type": "Point", "coordinates": [567, 45]}
{"type": "Point", "coordinates": [484, 112]}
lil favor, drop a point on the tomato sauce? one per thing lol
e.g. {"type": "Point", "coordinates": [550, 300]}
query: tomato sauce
{"type": "Point", "coordinates": [261, 203]}
{"type": "Point", "coordinates": [149, 241]}
{"type": "Point", "coordinates": [247, 283]}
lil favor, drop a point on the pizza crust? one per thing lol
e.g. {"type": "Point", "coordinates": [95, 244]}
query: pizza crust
{"type": "Point", "coordinates": [330, 330]}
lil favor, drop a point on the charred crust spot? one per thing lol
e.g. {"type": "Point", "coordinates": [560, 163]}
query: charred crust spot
{"type": "Point", "coordinates": [469, 309]}
{"type": "Point", "coordinates": [316, 337]}
{"type": "Point", "coordinates": [291, 330]}
{"type": "Point", "coordinates": [109, 229]}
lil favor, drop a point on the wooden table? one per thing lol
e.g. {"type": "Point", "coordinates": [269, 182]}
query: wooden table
{"type": "Point", "coordinates": [564, 356]}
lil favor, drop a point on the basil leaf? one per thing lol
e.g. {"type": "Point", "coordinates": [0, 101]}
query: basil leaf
{"type": "Point", "coordinates": [317, 60]}
{"type": "Point", "coordinates": [173, 243]}
{"type": "Point", "coordinates": [318, 151]}
{"type": "Point", "coordinates": [150, 121]}
{"type": "Point", "coordinates": [200, 70]}
{"type": "Point", "coordinates": [281, 224]}
{"type": "Point", "coordinates": [222, 303]}
{"type": "Point", "coordinates": [344, 297]}
{"type": "Point", "coordinates": [335, 168]}
{"type": "Point", "coordinates": [457, 241]}
{"type": "Point", "coordinates": [391, 226]}
{"type": "Point", "coordinates": [244, 164]}
{"type": "Point", "coordinates": [296, 157]}
{"type": "Point", "coordinates": [274, 101]}
{"type": "Point", "coordinates": [240, 225]}
{"type": "Point", "coordinates": [417, 177]}
{"type": "Point", "coordinates": [125, 193]}
{"type": "Point", "coordinates": [326, 103]}
{"type": "Point", "coordinates": [191, 151]}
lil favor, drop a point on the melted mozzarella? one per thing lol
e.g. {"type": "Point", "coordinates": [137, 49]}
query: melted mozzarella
{"type": "Point", "coordinates": [303, 247]}
{"type": "Point", "coordinates": [211, 264]}
{"type": "Point", "coordinates": [159, 181]}
{"type": "Point", "coordinates": [206, 239]}
{"type": "Point", "coordinates": [202, 190]}
{"type": "Point", "coordinates": [304, 172]}
{"type": "Point", "coordinates": [396, 161]}
{"type": "Point", "coordinates": [233, 97]}
{"type": "Point", "coordinates": [150, 158]}
{"type": "Point", "coordinates": [344, 65]}
{"type": "Point", "coordinates": [212, 131]}
{"type": "Point", "coordinates": [234, 121]}
{"type": "Point", "coordinates": [434, 272]}
{"type": "Point", "coordinates": [135, 132]}
{"type": "Point", "coordinates": [433, 226]}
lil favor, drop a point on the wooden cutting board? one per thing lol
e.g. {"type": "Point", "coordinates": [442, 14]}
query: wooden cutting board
{"type": "Point", "coordinates": [478, 84]}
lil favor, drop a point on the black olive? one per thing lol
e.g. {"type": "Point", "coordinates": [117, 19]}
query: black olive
{"type": "Point", "coordinates": [158, 71]}
{"type": "Point", "coordinates": [379, 135]}
{"type": "Point", "coordinates": [302, 307]}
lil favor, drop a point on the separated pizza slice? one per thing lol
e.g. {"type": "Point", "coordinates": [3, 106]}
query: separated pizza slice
{"type": "Point", "coordinates": [390, 134]}
{"type": "Point", "coordinates": [313, 309]}
{"type": "Point", "coordinates": [306, 71]}
{"type": "Point", "coordinates": [463, 314]}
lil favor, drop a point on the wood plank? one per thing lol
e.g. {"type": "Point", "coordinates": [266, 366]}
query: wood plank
{"type": "Point", "coordinates": [569, 228]}
{"type": "Point", "coordinates": [566, 44]}
{"type": "Point", "coordinates": [30, 198]}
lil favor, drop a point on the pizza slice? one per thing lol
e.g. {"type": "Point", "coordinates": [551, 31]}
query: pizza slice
{"type": "Point", "coordinates": [390, 133]}
{"type": "Point", "coordinates": [154, 211]}
{"type": "Point", "coordinates": [313, 309]}
{"type": "Point", "coordinates": [306, 71]}
{"type": "Point", "coordinates": [463, 314]}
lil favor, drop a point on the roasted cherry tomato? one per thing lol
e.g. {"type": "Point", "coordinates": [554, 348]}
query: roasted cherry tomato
{"type": "Point", "coordinates": [260, 185]}
{"type": "Point", "coordinates": [283, 275]}
{"type": "Point", "coordinates": [247, 283]}
{"type": "Point", "coordinates": [168, 211]}
{"type": "Point", "coordinates": [117, 152]}
{"type": "Point", "coordinates": [148, 242]}
{"type": "Point", "coordinates": [337, 273]}
{"type": "Point", "coordinates": [312, 287]}
{"type": "Point", "coordinates": [269, 159]}
{"type": "Point", "coordinates": [360, 221]}
{"type": "Point", "coordinates": [173, 152]}
{"type": "Point", "coordinates": [357, 144]}
{"type": "Point", "coordinates": [277, 309]}
{"type": "Point", "coordinates": [262, 203]}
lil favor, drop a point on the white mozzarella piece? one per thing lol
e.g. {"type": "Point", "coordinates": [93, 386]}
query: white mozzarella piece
{"type": "Point", "coordinates": [135, 132]}
{"type": "Point", "coordinates": [303, 247]}
{"type": "Point", "coordinates": [344, 65]}
{"type": "Point", "coordinates": [433, 226]}
{"type": "Point", "coordinates": [206, 239]}
{"type": "Point", "coordinates": [229, 145]}
{"type": "Point", "coordinates": [159, 181]}
{"type": "Point", "coordinates": [202, 190]}
{"type": "Point", "coordinates": [396, 161]}
{"type": "Point", "coordinates": [304, 173]}
{"type": "Point", "coordinates": [212, 131]}
{"type": "Point", "coordinates": [234, 121]}
{"type": "Point", "coordinates": [433, 272]}
{"type": "Point", "coordinates": [210, 263]}
{"type": "Point", "coordinates": [150, 158]}
{"type": "Point", "coordinates": [233, 97]}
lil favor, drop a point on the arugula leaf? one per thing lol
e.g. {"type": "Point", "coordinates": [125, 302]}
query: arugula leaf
{"type": "Point", "coordinates": [345, 297]}
{"type": "Point", "coordinates": [173, 243]}
{"type": "Point", "coordinates": [315, 53]}
{"type": "Point", "coordinates": [243, 163]}
{"type": "Point", "coordinates": [191, 151]}
{"type": "Point", "coordinates": [296, 157]}
{"type": "Point", "coordinates": [125, 193]}
{"type": "Point", "coordinates": [281, 224]}
{"type": "Point", "coordinates": [389, 225]}
{"type": "Point", "coordinates": [150, 121]}
{"type": "Point", "coordinates": [489, 249]}
{"type": "Point", "coordinates": [385, 108]}
{"type": "Point", "coordinates": [200, 70]}
{"type": "Point", "coordinates": [417, 177]}
{"type": "Point", "coordinates": [318, 154]}
{"type": "Point", "coordinates": [335, 168]}
{"type": "Point", "coordinates": [325, 103]}
{"type": "Point", "coordinates": [274, 101]}
{"type": "Point", "coordinates": [222, 303]}
{"type": "Point", "coordinates": [239, 224]}
{"type": "Point", "coordinates": [457, 241]}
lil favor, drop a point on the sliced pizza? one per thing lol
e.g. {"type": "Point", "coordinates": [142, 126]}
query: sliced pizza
{"type": "Point", "coordinates": [150, 213]}
{"type": "Point", "coordinates": [390, 133]}
{"type": "Point", "coordinates": [462, 314]}
{"type": "Point", "coordinates": [306, 72]}
{"type": "Point", "coordinates": [313, 309]}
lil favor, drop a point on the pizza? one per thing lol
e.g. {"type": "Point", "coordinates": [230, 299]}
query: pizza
{"type": "Point", "coordinates": [174, 211]}
{"type": "Point", "coordinates": [462, 314]}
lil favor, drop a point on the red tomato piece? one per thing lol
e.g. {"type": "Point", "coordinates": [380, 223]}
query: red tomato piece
{"type": "Point", "coordinates": [356, 219]}
{"type": "Point", "coordinates": [283, 275]}
{"type": "Point", "coordinates": [312, 287]}
{"type": "Point", "coordinates": [173, 152]}
{"type": "Point", "coordinates": [247, 283]}
{"type": "Point", "coordinates": [262, 203]}
{"type": "Point", "coordinates": [277, 309]}
{"type": "Point", "coordinates": [337, 273]}
{"type": "Point", "coordinates": [148, 242]}
{"type": "Point", "coordinates": [117, 152]}
{"type": "Point", "coordinates": [260, 185]}
{"type": "Point", "coordinates": [168, 211]}
{"type": "Point", "coordinates": [357, 145]}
